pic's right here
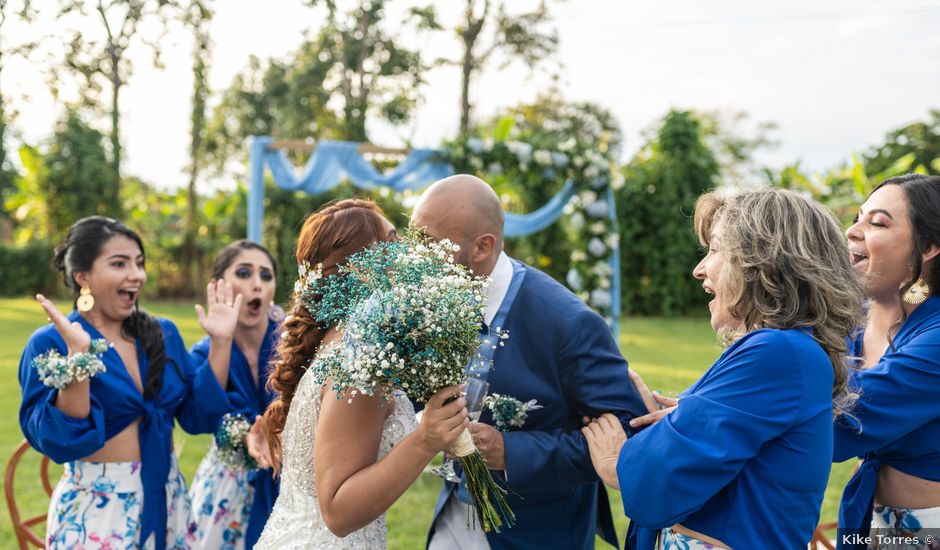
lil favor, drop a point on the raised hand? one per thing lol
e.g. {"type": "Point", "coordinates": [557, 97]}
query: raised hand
{"type": "Point", "coordinates": [77, 340]}
{"type": "Point", "coordinates": [605, 438]}
{"type": "Point", "coordinates": [220, 317]}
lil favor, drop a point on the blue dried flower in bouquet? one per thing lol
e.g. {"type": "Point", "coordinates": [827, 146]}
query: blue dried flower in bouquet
{"type": "Point", "coordinates": [410, 318]}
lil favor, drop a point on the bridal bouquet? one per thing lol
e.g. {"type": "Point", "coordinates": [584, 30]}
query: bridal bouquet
{"type": "Point", "coordinates": [411, 321]}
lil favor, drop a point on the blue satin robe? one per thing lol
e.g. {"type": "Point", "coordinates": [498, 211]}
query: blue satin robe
{"type": "Point", "coordinates": [250, 397]}
{"type": "Point", "coordinates": [744, 457]}
{"type": "Point", "coordinates": [896, 420]}
{"type": "Point", "coordinates": [191, 396]}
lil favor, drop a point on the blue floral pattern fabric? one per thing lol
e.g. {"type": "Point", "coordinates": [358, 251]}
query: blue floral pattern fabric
{"type": "Point", "coordinates": [222, 499]}
{"type": "Point", "coordinates": [98, 505]}
{"type": "Point", "coordinates": [671, 540]}
{"type": "Point", "coordinates": [904, 523]}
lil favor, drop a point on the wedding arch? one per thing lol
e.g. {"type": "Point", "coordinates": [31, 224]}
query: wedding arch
{"type": "Point", "coordinates": [586, 197]}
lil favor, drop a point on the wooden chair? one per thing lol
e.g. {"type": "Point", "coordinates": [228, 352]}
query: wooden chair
{"type": "Point", "coordinates": [822, 541]}
{"type": "Point", "coordinates": [23, 528]}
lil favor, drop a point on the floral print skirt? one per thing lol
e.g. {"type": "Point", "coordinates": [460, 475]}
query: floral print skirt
{"type": "Point", "coordinates": [671, 540]}
{"type": "Point", "coordinates": [97, 505]}
{"type": "Point", "coordinates": [904, 523]}
{"type": "Point", "coordinates": [222, 499]}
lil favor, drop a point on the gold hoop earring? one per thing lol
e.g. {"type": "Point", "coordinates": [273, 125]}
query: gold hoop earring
{"type": "Point", "coordinates": [918, 293]}
{"type": "Point", "coordinates": [85, 301]}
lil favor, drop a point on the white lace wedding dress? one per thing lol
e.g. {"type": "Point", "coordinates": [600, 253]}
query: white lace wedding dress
{"type": "Point", "coordinates": [295, 521]}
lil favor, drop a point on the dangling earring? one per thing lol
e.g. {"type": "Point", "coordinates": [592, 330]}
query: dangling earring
{"type": "Point", "coordinates": [85, 300]}
{"type": "Point", "coordinates": [918, 293]}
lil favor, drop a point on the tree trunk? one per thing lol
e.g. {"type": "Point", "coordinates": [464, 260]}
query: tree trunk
{"type": "Point", "coordinates": [192, 256]}
{"type": "Point", "coordinates": [115, 126]}
{"type": "Point", "coordinates": [466, 73]}
{"type": "Point", "coordinates": [469, 63]}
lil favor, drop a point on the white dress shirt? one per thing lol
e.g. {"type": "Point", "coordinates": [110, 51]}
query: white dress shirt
{"type": "Point", "coordinates": [501, 276]}
{"type": "Point", "coordinates": [451, 528]}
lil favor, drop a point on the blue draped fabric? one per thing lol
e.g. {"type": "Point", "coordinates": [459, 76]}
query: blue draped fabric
{"type": "Point", "coordinates": [333, 162]}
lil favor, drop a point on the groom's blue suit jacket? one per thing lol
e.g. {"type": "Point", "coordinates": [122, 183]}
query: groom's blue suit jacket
{"type": "Point", "coordinates": [560, 353]}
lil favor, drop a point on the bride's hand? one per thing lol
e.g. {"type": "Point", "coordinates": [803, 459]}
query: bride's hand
{"type": "Point", "coordinates": [257, 443]}
{"type": "Point", "coordinates": [442, 423]}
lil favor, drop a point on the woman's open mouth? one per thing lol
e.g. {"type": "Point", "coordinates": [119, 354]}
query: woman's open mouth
{"type": "Point", "coordinates": [128, 296]}
{"type": "Point", "coordinates": [254, 306]}
{"type": "Point", "coordinates": [858, 258]}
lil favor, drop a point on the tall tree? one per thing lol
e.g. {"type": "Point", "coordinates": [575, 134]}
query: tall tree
{"type": "Point", "coordinates": [287, 99]}
{"type": "Point", "coordinates": [920, 139]}
{"type": "Point", "coordinates": [8, 173]}
{"type": "Point", "coordinates": [373, 70]}
{"type": "Point", "coordinates": [662, 183]}
{"type": "Point", "coordinates": [487, 28]}
{"type": "Point", "coordinates": [63, 182]}
{"type": "Point", "coordinates": [351, 71]}
{"type": "Point", "coordinates": [102, 62]}
{"type": "Point", "coordinates": [198, 17]}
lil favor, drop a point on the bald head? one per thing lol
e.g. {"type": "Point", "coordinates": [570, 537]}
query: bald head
{"type": "Point", "coordinates": [465, 210]}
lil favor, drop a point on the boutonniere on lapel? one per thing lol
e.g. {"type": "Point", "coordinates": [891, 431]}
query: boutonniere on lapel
{"type": "Point", "coordinates": [509, 412]}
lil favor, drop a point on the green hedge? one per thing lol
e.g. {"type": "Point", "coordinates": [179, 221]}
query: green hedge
{"type": "Point", "coordinates": [24, 270]}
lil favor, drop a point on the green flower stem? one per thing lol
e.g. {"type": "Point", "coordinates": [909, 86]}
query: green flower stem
{"type": "Point", "coordinates": [486, 496]}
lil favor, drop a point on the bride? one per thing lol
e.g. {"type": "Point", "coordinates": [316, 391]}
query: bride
{"type": "Point", "coordinates": [343, 462]}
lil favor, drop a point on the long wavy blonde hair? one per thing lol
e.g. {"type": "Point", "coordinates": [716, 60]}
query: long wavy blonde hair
{"type": "Point", "coordinates": [786, 266]}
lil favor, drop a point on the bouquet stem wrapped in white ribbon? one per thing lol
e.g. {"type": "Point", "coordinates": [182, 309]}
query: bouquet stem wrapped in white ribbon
{"type": "Point", "coordinates": [410, 319]}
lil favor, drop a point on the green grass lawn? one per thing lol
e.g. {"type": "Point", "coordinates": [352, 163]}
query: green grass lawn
{"type": "Point", "coordinates": [669, 353]}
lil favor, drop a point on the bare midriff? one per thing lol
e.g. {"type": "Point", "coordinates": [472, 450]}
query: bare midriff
{"type": "Point", "coordinates": [899, 490]}
{"type": "Point", "coordinates": [124, 447]}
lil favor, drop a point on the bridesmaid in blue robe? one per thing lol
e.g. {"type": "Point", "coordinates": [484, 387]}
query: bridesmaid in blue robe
{"type": "Point", "coordinates": [895, 424]}
{"type": "Point", "coordinates": [122, 487]}
{"type": "Point", "coordinates": [232, 502]}
{"type": "Point", "coordinates": [741, 461]}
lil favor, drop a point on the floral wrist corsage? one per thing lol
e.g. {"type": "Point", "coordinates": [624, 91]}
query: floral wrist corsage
{"type": "Point", "coordinates": [230, 441]}
{"type": "Point", "coordinates": [57, 371]}
{"type": "Point", "coordinates": [509, 411]}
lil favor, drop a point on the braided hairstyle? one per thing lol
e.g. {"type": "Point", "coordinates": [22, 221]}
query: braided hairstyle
{"type": "Point", "coordinates": [78, 253]}
{"type": "Point", "coordinates": [329, 235]}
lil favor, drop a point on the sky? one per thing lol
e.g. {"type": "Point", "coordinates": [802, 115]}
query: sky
{"type": "Point", "coordinates": [834, 76]}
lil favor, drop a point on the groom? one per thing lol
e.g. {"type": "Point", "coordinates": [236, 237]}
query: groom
{"type": "Point", "coordinates": [560, 353]}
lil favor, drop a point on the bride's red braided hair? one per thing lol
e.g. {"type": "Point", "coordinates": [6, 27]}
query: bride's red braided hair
{"type": "Point", "coordinates": [328, 237]}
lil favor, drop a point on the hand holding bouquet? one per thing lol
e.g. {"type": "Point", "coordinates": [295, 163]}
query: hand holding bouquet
{"type": "Point", "coordinates": [410, 319]}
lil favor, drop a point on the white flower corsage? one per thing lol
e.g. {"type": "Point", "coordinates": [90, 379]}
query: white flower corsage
{"type": "Point", "coordinates": [58, 371]}
{"type": "Point", "coordinates": [230, 442]}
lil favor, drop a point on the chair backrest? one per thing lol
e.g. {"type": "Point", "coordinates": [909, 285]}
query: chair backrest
{"type": "Point", "coordinates": [821, 540]}
{"type": "Point", "coordinates": [23, 528]}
